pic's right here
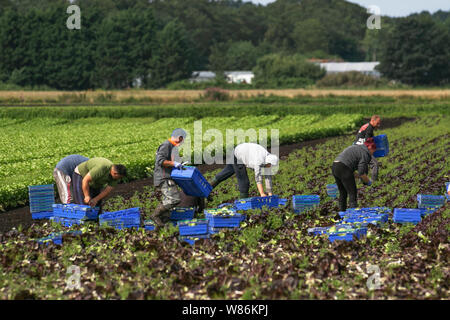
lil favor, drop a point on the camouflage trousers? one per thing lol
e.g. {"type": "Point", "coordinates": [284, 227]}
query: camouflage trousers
{"type": "Point", "coordinates": [170, 194]}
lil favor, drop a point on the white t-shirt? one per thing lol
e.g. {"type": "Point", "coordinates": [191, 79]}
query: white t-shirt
{"type": "Point", "coordinates": [253, 156]}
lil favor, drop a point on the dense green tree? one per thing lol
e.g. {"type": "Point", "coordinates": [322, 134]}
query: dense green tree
{"type": "Point", "coordinates": [125, 43]}
{"type": "Point", "coordinates": [172, 57]}
{"type": "Point", "coordinates": [277, 70]}
{"type": "Point", "coordinates": [417, 52]}
{"type": "Point", "coordinates": [310, 35]}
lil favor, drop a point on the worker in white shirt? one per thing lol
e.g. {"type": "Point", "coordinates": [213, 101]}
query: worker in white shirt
{"type": "Point", "coordinates": [256, 157]}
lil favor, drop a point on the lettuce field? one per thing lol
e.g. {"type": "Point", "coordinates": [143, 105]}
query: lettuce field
{"type": "Point", "coordinates": [272, 256]}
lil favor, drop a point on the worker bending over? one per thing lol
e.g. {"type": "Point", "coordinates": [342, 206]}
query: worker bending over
{"type": "Point", "coordinates": [94, 179]}
{"type": "Point", "coordinates": [256, 157]}
{"type": "Point", "coordinates": [354, 158]}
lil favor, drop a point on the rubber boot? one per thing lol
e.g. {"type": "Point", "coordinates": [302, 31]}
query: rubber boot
{"type": "Point", "coordinates": [156, 215]}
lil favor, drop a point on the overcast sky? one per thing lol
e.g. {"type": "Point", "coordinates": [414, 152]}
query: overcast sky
{"type": "Point", "coordinates": [396, 8]}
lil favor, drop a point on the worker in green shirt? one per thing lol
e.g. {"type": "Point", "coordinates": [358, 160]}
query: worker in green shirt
{"type": "Point", "coordinates": [94, 179]}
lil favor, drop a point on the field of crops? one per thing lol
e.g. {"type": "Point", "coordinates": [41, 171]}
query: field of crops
{"type": "Point", "coordinates": [31, 148]}
{"type": "Point", "coordinates": [272, 256]}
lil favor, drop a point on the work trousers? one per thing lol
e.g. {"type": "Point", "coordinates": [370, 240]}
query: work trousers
{"type": "Point", "coordinates": [346, 183]}
{"type": "Point", "coordinates": [63, 182]}
{"type": "Point", "coordinates": [241, 174]}
{"type": "Point", "coordinates": [78, 195]}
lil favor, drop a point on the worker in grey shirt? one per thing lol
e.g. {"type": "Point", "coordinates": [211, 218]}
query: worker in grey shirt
{"type": "Point", "coordinates": [254, 156]}
{"type": "Point", "coordinates": [354, 158]}
{"type": "Point", "coordinates": [164, 163]}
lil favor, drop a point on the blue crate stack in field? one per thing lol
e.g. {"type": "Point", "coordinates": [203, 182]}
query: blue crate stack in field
{"type": "Point", "coordinates": [192, 230]}
{"type": "Point", "coordinates": [402, 215]}
{"type": "Point", "coordinates": [223, 218]}
{"type": "Point", "coordinates": [128, 218]}
{"type": "Point", "coordinates": [181, 213]}
{"type": "Point", "coordinates": [365, 216]}
{"type": "Point", "coordinates": [192, 182]}
{"type": "Point", "coordinates": [382, 144]}
{"type": "Point", "coordinates": [332, 191]}
{"type": "Point", "coordinates": [258, 203]}
{"type": "Point", "coordinates": [41, 197]}
{"type": "Point", "coordinates": [302, 203]}
{"type": "Point", "coordinates": [430, 202]}
{"type": "Point", "coordinates": [74, 214]}
{"type": "Point", "coordinates": [345, 232]}
{"type": "Point", "coordinates": [149, 225]}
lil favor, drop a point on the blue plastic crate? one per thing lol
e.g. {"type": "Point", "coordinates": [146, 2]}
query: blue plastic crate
{"type": "Point", "coordinates": [192, 182]}
{"type": "Point", "coordinates": [301, 203]}
{"type": "Point", "coordinates": [257, 203]}
{"type": "Point", "coordinates": [75, 211]}
{"type": "Point", "coordinates": [191, 239]}
{"type": "Point", "coordinates": [345, 232]}
{"type": "Point", "coordinates": [182, 213]}
{"type": "Point", "coordinates": [382, 144]}
{"type": "Point", "coordinates": [41, 215]}
{"type": "Point", "coordinates": [318, 230]}
{"type": "Point", "coordinates": [332, 190]}
{"type": "Point", "coordinates": [57, 238]}
{"type": "Point", "coordinates": [193, 227]}
{"type": "Point", "coordinates": [123, 217]}
{"type": "Point", "coordinates": [402, 215]}
{"type": "Point", "coordinates": [149, 225]}
{"type": "Point", "coordinates": [214, 230]}
{"type": "Point", "coordinates": [364, 220]}
{"type": "Point", "coordinates": [224, 220]}
{"type": "Point", "coordinates": [41, 198]}
{"type": "Point", "coordinates": [365, 211]}
{"type": "Point", "coordinates": [430, 200]}
{"type": "Point", "coordinates": [67, 222]}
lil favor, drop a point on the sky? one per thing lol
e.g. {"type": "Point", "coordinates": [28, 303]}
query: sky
{"type": "Point", "coordinates": [396, 8]}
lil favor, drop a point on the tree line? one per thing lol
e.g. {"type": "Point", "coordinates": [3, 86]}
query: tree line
{"type": "Point", "coordinates": [160, 42]}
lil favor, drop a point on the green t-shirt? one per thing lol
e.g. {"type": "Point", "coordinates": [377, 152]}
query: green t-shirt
{"type": "Point", "coordinates": [100, 169]}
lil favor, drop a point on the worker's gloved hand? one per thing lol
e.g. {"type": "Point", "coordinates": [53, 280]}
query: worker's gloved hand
{"type": "Point", "coordinates": [177, 165]}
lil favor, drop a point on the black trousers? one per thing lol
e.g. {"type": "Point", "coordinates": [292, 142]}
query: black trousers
{"type": "Point", "coordinates": [241, 174]}
{"type": "Point", "coordinates": [346, 183]}
{"type": "Point", "coordinates": [78, 195]}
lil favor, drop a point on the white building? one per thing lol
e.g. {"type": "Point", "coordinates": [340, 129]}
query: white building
{"type": "Point", "coordinates": [367, 68]}
{"type": "Point", "coordinates": [231, 76]}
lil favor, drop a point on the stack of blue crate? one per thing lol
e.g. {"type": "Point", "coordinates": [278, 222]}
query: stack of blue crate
{"type": "Point", "coordinates": [402, 215]}
{"type": "Point", "coordinates": [303, 203]}
{"type": "Point", "coordinates": [41, 198]}
{"type": "Point", "coordinates": [345, 232]}
{"type": "Point", "coordinates": [430, 202]}
{"type": "Point", "coordinates": [192, 230]}
{"type": "Point", "coordinates": [181, 213]}
{"type": "Point", "coordinates": [258, 203]}
{"type": "Point", "coordinates": [223, 218]}
{"type": "Point", "coordinates": [128, 218]}
{"type": "Point", "coordinates": [366, 216]}
{"type": "Point", "coordinates": [73, 214]}
{"type": "Point", "coordinates": [191, 181]}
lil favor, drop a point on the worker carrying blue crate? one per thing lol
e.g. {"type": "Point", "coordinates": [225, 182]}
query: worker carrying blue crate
{"type": "Point", "coordinates": [353, 158]}
{"type": "Point", "coordinates": [365, 132]}
{"type": "Point", "coordinates": [165, 160]}
{"type": "Point", "coordinates": [94, 179]}
{"type": "Point", "coordinates": [254, 156]}
{"type": "Point", "coordinates": [63, 173]}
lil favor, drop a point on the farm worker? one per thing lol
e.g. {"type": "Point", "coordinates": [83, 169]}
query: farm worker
{"type": "Point", "coordinates": [365, 132]}
{"type": "Point", "coordinates": [448, 189]}
{"type": "Point", "coordinates": [63, 176]}
{"type": "Point", "coordinates": [94, 179]}
{"type": "Point", "coordinates": [164, 163]}
{"type": "Point", "coordinates": [353, 158]}
{"type": "Point", "coordinates": [254, 156]}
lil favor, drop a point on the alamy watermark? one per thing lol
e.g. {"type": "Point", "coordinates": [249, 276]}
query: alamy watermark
{"type": "Point", "coordinates": [73, 281]}
{"type": "Point", "coordinates": [74, 20]}
{"type": "Point", "coordinates": [216, 143]}
{"type": "Point", "coordinates": [373, 282]}
{"type": "Point", "coordinates": [374, 21]}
